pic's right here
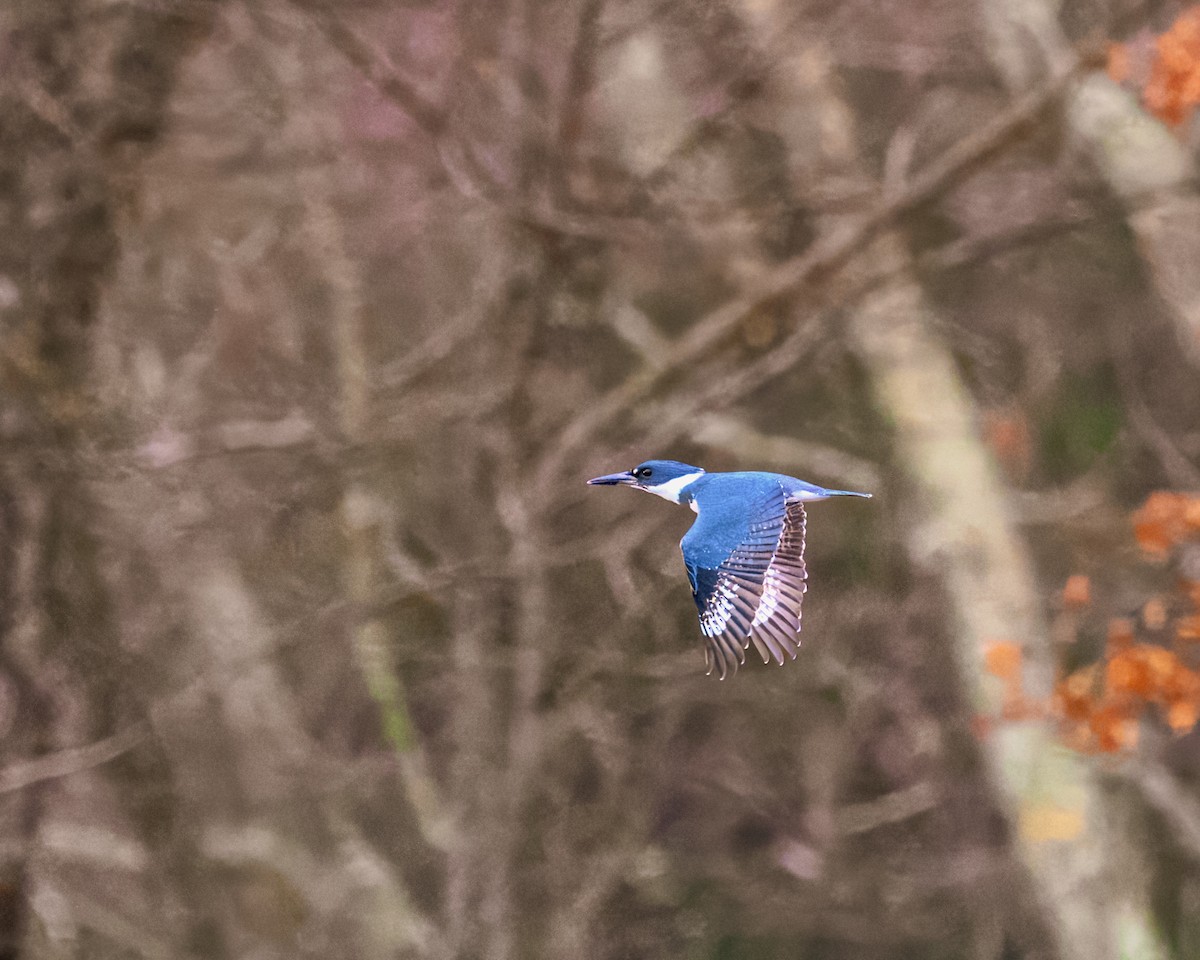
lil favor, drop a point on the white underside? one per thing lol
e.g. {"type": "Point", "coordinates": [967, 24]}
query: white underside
{"type": "Point", "coordinates": [671, 489]}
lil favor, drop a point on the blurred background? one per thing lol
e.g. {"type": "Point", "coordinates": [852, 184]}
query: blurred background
{"type": "Point", "coordinates": [315, 317]}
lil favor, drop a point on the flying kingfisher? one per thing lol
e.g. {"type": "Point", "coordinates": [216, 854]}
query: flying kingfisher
{"type": "Point", "coordinates": [744, 554]}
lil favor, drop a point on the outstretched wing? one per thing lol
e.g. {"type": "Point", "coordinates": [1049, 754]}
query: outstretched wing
{"type": "Point", "coordinates": [753, 595]}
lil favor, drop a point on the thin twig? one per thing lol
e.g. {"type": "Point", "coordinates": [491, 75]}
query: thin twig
{"type": "Point", "coordinates": [429, 116]}
{"type": "Point", "coordinates": [1163, 791]}
{"type": "Point", "coordinates": [63, 763]}
{"type": "Point", "coordinates": [976, 249]}
{"type": "Point", "coordinates": [895, 807]}
{"type": "Point", "coordinates": [1178, 468]}
{"type": "Point", "coordinates": [580, 68]}
{"type": "Point", "coordinates": [458, 159]}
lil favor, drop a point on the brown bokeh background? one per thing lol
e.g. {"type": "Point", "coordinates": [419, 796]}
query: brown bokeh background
{"type": "Point", "coordinates": [314, 318]}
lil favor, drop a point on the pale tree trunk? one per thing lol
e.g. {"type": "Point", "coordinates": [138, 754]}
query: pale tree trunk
{"type": "Point", "coordinates": [1152, 175]}
{"type": "Point", "coordinates": [1147, 168]}
{"type": "Point", "coordinates": [963, 529]}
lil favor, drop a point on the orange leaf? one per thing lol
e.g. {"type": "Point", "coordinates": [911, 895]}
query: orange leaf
{"type": "Point", "coordinates": [1007, 432]}
{"type": "Point", "coordinates": [1162, 666]}
{"type": "Point", "coordinates": [1075, 696]}
{"type": "Point", "coordinates": [1019, 707]}
{"type": "Point", "coordinates": [1120, 635]}
{"type": "Point", "coordinates": [1078, 592]}
{"type": "Point", "coordinates": [1154, 613]}
{"type": "Point", "coordinates": [1181, 683]}
{"type": "Point", "coordinates": [1113, 729]}
{"type": "Point", "coordinates": [1126, 674]}
{"type": "Point", "coordinates": [1158, 524]}
{"type": "Point", "coordinates": [1078, 736]}
{"type": "Point", "coordinates": [1173, 89]}
{"type": "Point", "coordinates": [1191, 511]}
{"type": "Point", "coordinates": [1188, 628]}
{"type": "Point", "coordinates": [1159, 661]}
{"type": "Point", "coordinates": [1118, 62]}
{"type": "Point", "coordinates": [1182, 715]}
{"type": "Point", "coordinates": [1003, 660]}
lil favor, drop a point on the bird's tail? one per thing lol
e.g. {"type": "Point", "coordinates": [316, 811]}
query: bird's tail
{"type": "Point", "coordinates": [846, 493]}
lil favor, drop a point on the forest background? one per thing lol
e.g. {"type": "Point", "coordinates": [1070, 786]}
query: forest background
{"type": "Point", "coordinates": [314, 318]}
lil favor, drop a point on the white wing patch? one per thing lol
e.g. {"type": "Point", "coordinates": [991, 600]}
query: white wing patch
{"type": "Point", "coordinates": [720, 609]}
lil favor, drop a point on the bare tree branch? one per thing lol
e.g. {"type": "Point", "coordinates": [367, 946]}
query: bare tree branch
{"type": "Point", "coordinates": [895, 807]}
{"type": "Point", "coordinates": [1163, 791]}
{"type": "Point", "coordinates": [25, 773]}
{"type": "Point", "coordinates": [457, 157]}
{"type": "Point", "coordinates": [733, 434]}
{"type": "Point", "coordinates": [330, 20]}
{"type": "Point", "coordinates": [824, 257]}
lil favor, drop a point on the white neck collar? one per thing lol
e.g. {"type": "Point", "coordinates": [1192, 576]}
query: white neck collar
{"type": "Point", "coordinates": [672, 488]}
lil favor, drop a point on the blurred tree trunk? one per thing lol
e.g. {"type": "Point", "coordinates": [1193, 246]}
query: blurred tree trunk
{"type": "Point", "coordinates": [964, 531]}
{"type": "Point", "coordinates": [1152, 175]}
{"type": "Point", "coordinates": [1148, 169]}
{"type": "Point", "coordinates": [85, 99]}
{"type": "Point", "coordinates": [211, 836]}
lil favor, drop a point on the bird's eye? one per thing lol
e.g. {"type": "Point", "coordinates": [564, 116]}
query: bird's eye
{"type": "Point", "coordinates": [646, 471]}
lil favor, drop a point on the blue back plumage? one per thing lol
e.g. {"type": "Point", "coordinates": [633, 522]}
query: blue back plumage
{"type": "Point", "coordinates": [727, 503]}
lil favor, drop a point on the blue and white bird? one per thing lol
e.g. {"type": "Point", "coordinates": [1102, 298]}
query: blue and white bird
{"type": "Point", "coordinates": [744, 554]}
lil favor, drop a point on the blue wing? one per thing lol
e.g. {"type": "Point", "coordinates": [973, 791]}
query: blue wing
{"type": "Point", "coordinates": [748, 581]}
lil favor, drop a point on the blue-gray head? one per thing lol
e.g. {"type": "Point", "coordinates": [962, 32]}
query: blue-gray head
{"type": "Point", "coordinates": [666, 478]}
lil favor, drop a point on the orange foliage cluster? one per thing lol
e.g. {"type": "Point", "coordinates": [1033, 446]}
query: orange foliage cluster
{"type": "Point", "coordinates": [1171, 86]}
{"type": "Point", "coordinates": [1166, 520]}
{"type": "Point", "coordinates": [1098, 707]}
{"type": "Point", "coordinates": [1003, 660]}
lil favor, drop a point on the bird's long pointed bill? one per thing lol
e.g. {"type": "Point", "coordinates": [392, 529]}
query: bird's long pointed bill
{"type": "Point", "coordinates": [611, 479]}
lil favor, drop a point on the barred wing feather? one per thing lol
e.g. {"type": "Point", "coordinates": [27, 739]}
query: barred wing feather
{"type": "Point", "coordinates": [754, 595]}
